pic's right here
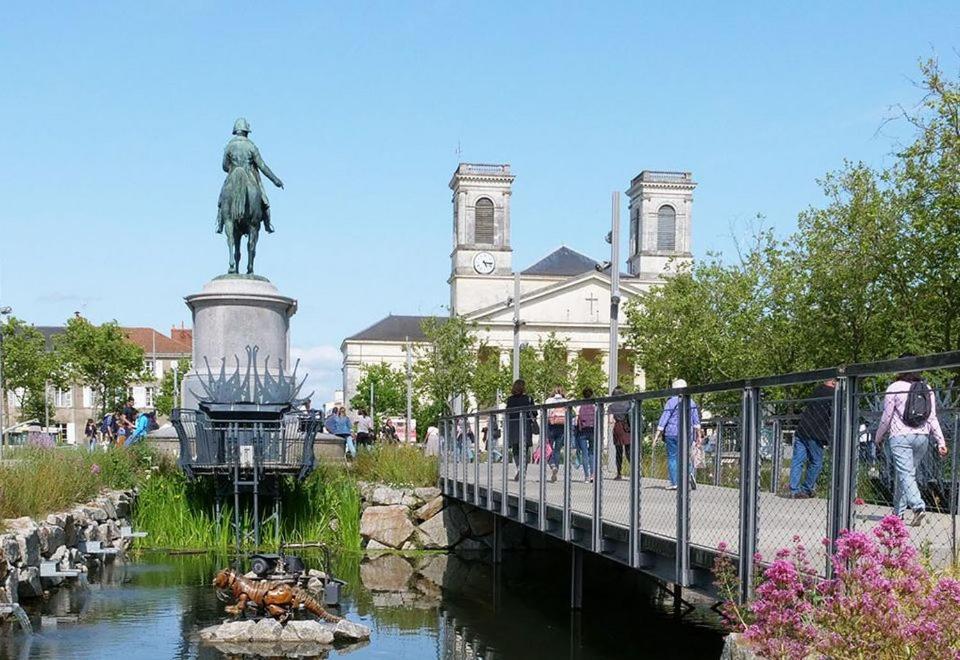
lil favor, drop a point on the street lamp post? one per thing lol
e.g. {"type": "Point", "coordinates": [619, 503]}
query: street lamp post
{"type": "Point", "coordinates": [614, 239]}
{"type": "Point", "coordinates": [4, 312]}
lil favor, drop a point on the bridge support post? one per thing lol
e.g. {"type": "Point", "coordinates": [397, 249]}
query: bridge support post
{"type": "Point", "coordinates": [843, 457]}
{"type": "Point", "coordinates": [497, 539]}
{"type": "Point", "coordinates": [576, 578]}
{"type": "Point", "coordinates": [749, 487]}
{"type": "Point", "coordinates": [682, 567]}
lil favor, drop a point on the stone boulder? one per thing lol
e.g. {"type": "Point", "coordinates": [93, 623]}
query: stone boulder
{"type": "Point", "coordinates": [386, 573]}
{"type": "Point", "coordinates": [426, 493]}
{"type": "Point", "coordinates": [95, 513]}
{"type": "Point", "coordinates": [430, 509]}
{"type": "Point", "coordinates": [11, 584]}
{"type": "Point", "coordinates": [385, 495]}
{"type": "Point", "coordinates": [444, 530]}
{"type": "Point", "coordinates": [306, 631]}
{"type": "Point", "coordinates": [51, 538]}
{"type": "Point", "coordinates": [387, 524]}
{"type": "Point", "coordinates": [25, 532]}
{"type": "Point", "coordinates": [480, 521]}
{"type": "Point", "coordinates": [108, 507]}
{"type": "Point", "coordinates": [10, 548]}
{"type": "Point", "coordinates": [29, 585]}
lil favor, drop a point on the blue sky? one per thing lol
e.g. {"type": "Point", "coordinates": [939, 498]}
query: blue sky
{"type": "Point", "coordinates": [115, 115]}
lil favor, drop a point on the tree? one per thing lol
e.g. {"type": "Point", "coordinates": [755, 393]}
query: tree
{"type": "Point", "coordinates": [446, 361]}
{"type": "Point", "coordinates": [588, 373]}
{"type": "Point", "coordinates": [102, 358]}
{"type": "Point", "coordinates": [28, 366]}
{"type": "Point", "coordinates": [490, 378]}
{"type": "Point", "coordinates": [389, 390]}
{"type": "Point", "coordinates": [166, 400]}
{"type": "Point", "coordinates": [927, 180]}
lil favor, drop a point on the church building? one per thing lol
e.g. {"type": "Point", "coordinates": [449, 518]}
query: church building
{"type": "Point", "coordinates": [566, 292]}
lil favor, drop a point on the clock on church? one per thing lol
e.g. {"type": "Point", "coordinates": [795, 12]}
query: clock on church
{"type": "Point", "coordinates": [484, 263]}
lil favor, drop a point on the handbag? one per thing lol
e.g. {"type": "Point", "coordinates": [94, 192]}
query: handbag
{"type": "Point", "coordinates": [537, 452]}
{"type": "Point", "coordinates": [533, 426]}
{"type": "Point", "coordinates": [699, 459]}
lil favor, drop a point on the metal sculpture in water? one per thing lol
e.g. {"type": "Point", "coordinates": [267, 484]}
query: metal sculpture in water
{"type": "Point", "coordinates": [243, 203]}
{"type": "Point", "coordinates": [278, 599]}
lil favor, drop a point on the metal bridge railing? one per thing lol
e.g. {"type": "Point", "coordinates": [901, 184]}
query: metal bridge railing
{"type": "Point", "coordinates": [735, 453]}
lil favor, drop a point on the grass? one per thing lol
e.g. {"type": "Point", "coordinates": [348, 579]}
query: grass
{"type": "Point", "coordinates": [178, 514]}
{"type": "Point", "coordinates": [398, 465]}
{"type": "Point", "coordinates": [38, 481]}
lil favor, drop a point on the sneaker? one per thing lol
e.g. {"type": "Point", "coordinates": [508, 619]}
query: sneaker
{"type": "Point", "coordinates": [918, 515]}
{"type": "Point", "coordinates": [617, 478]}
{"type": "Point", "coordinates": [553, 475]}
{"type": "Point", "coordinates": [516, 477]}
{"type": "Point", "coordinates": [671, 487]}
{"type": "Point", "coordinates": [693, 485]}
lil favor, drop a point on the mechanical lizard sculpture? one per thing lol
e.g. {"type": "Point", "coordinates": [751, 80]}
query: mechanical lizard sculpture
{"type": "Point", "coordinates": [279, 599]}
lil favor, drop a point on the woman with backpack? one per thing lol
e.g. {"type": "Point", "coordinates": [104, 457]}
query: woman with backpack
{"type": "Point", "coordinates": [517, 399]}
{"type": "Point", "coordinates": [910, 418]}
{"type": "Point", "coordinates": [556, 423]}
{"type": "Point", "coordinates": [586, 422]}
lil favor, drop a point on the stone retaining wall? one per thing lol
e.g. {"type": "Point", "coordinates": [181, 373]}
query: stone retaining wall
{"type": "Point", "coordinates": [25, 543]}
{"type": "Point", "coordinates": [395, 518]}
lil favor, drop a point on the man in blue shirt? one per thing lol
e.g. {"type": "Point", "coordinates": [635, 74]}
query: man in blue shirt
{"type": "Point", "coordinates": [669, 428]}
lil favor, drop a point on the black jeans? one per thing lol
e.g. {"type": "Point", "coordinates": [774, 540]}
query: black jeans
{"type": "Point", "coordinates": [621, 454]}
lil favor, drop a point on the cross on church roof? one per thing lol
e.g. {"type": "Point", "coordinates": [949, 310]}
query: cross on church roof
{"type": "Point", "coordinates": [592, 298]}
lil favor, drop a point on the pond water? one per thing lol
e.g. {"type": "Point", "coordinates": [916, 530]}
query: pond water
{"type": "Point", "coordinates": [429, 606]}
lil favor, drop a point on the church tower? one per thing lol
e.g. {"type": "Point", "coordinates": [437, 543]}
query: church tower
{"type": "Point", "coordinates": [481, 268]}
{"type": "Point", "coordinates": [660, 212]}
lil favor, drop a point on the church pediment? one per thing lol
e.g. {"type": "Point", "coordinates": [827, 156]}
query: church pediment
{"type": "Point", "coordinates": [584, 299]}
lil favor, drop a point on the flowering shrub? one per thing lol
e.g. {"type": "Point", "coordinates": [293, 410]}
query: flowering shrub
{"type": "Point", "coordinates": [882, 603]}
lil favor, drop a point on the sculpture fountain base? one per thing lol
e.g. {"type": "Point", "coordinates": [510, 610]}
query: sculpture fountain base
{"type": "Point", "coordinates": [268, 637]}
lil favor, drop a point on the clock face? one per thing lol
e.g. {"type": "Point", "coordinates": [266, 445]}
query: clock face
{"type": "Point", "coordinates": [484, 263]}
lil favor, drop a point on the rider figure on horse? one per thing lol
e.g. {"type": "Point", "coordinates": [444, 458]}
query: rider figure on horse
{"type": "Point", "coordinates": [243, 164]}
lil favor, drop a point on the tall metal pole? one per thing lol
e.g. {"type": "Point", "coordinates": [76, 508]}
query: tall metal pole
{"type": "Point", "coordinates": [409, 389]}
{"type": "Point", "coordinates": [614, 238]}
{"type": "Point", "coordinates": [176, 384]}
{"type": "Point", "coordinates": [3, 388]}
{"type": "Point", "coordinates": [516, 326]}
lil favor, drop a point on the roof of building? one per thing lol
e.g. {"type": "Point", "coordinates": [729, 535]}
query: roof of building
{"type": "Point", "coordinates": [393, 328]}
{"type": "Point", "coordinates": [148, 339]}
{"type": "Point", "coordinates": [562, 262]}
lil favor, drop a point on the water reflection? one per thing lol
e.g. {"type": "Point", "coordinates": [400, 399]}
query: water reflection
{"type": "Point", "coordinates": [427, 606]}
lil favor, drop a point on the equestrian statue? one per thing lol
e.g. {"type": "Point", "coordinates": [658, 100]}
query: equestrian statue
{"type": "Point", "coordinates": [243, 203]}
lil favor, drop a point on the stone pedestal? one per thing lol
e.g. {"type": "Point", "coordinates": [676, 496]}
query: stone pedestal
{"type": "Point", "coordinates": [230, 314]}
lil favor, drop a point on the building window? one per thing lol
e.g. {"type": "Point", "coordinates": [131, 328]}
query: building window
{"type": "Point", "coordinates": [483, 222]}
{"type": "Point", "coordinates": [666, 229]}
{"type": "Point", "coordinates": [148, 396]}
{"type": "Point", "coordinates": [63, 398]}
{"type": "Point", "coordinates": [150, 366]}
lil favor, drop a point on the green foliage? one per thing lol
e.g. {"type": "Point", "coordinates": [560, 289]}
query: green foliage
{"type": "Point", "coordinates": [545, 367]}
{"type": "Point", "coordinates": [588, 372]}
{"type": "Point", "coordinates": [871, 273]}
{"type": "Point", "coordinates": [166, 400]}
{"type": "Point", "coordinates": [42, 480]}
{"type": "Point", "coordinates": [490, 378]}
{"type": "Point", "coordinates": [446, 361]}
{"type": "Point", "coordinates": [100, 357]}
{"type": "Point", "coordinates": [400, 465]}
{"type": "Point", "coordinates": [389, 390]}
{"type": "Point", "coordinates": [27, 367]}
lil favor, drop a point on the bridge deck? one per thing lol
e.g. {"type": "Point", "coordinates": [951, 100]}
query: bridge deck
{"type": "Point", "coordinates": [714, 514]}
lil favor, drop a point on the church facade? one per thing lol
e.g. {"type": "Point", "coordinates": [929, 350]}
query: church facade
{"type": "Point", "coordinates": [565, 293]}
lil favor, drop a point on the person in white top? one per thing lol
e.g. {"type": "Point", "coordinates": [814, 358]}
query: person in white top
{"type": "Point", "coordinates": [556, 422]}
{"type": "Point", "coordinates": [364, 429]}
{"type": "Point", "coordinates": [432, 447]}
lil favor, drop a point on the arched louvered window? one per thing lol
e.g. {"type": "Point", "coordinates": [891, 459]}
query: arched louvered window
{"type": "Point", "coordinates": [666, 229]}
{"type": "Point", "coordinates": [483, 222]}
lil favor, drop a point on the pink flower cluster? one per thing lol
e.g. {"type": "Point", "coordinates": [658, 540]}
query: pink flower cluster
{"type": "Point", "coordinates": [881, 603]}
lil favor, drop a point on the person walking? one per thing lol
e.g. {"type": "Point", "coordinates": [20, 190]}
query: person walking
{"type": "Point", "coordinates": [668, 428]}
{"type": "Point", "coordinates": [90, 433]}
{"type": "Point", "coordinates": [910, 419]}
{"type": "Point", "coordinates": [342, 428]}
{"type": "Point", "coordinates": [364, 429]}
{"type": "Point", "coordinates": [108, 429]}
{"type": "Point", "coordinates": [620, 410]}
{"type": "Point", "coordinates": [517, 399]}
{"type": "Point", "coordinates": [813, 434]}
{"type": "Point", "coordinates": [585, 426]}
{"type": "Point", "coordinates": [556, 425]}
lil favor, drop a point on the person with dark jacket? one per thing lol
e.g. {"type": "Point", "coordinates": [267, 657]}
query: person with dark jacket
{"type": "Point", "coordinates": [620, 410]}
{"type": "Point", "coordinates": [517, 399]}
{"type": "Point", "coordinates": [813, 434]}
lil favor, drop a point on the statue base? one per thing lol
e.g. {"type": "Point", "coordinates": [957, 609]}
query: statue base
{"type": "Point", "coordinates": [234, 313]}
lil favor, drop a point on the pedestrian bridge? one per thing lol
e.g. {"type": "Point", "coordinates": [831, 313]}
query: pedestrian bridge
{"type": "Point", "coordinates": [736, 506]}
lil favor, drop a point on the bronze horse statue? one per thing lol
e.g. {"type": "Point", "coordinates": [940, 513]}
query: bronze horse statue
{"type": "Point", "coordinates": [243, 203]}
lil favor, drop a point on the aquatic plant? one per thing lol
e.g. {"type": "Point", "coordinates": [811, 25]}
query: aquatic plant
{"type": "Point", "coordinates": [882, 602]}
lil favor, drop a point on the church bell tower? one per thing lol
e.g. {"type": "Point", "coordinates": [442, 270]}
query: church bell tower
{"type": "Point", "coordinates": [481, 267]}
{"type": "Point", "coordinates": [661, 205]}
